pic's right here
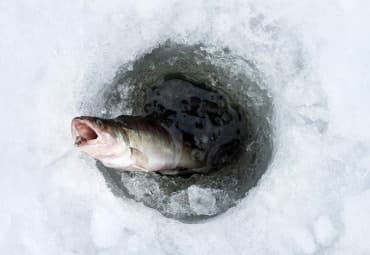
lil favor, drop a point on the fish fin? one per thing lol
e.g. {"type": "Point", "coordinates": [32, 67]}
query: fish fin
{"type": "Point", "coordinates": [139, 158]}
{"type": "Point", "coordinates": [138, 168]}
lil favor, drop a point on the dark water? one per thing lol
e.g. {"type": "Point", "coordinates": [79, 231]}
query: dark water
{"type": "Point", "coordinates": [218, 100]}
{"type": "Point", "coordinates": [201, 118]}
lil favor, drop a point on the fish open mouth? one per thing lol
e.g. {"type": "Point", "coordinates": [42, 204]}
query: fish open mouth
{"type": "Point", "coordinates": [83, 131]}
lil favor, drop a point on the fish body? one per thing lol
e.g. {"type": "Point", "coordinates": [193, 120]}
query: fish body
{"type": "Point", "coordinates": [133, 143]}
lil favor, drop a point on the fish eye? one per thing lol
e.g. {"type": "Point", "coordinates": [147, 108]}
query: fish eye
{"type": "Point", "coordinates": [100, 123]}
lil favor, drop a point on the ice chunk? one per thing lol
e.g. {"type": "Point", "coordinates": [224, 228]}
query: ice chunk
{"type": "Point", "coordinates": [202, 201]}
{"type": "Point", "coordinates": [178, 204]}
{"type": "Point", "coordinates": [140, 186]}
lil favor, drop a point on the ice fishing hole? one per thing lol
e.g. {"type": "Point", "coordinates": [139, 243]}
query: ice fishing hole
{"type": "Point", "coordinates": [226, 85]}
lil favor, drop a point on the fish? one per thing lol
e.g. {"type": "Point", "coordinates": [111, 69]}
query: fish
{"type": "Point", "coordinates": [134, 143]}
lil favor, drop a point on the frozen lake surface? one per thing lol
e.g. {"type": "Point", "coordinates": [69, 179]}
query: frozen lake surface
{"type": "Point", "coordinates": [313, 58]}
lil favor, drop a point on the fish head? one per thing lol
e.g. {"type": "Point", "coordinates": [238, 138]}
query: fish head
{"type": "Point", "coordinates": [102, 139]}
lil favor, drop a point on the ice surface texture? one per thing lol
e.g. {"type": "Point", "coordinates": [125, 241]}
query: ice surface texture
{"type": "Point", "coordinates": [312, 55]}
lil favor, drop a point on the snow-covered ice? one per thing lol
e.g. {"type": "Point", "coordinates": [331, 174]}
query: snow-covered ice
{"type": "Point", "coordinates": [314, 57]}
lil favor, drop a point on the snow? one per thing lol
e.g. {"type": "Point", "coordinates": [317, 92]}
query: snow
{"type": "Point", "coordinates": [324, 230]}
{"type": "Point", "coordinates": [313, 56]}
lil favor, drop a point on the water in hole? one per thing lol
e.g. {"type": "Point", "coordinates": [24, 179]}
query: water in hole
{"type": "Point", "coordinates": [201, 118]}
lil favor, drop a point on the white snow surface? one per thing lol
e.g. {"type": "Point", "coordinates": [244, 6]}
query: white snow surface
{"type": "Point", "coordinates": [313, 199]}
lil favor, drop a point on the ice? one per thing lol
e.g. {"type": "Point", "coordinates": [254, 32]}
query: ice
{"type": "Point", "coordinates": [202, 201]}
{"type": "Point", "coordinates": [313, 57]}
{"type": "Point", "coordinates": [356, 224]}
{"type": "Point", "coordinates": [186, 203]}
{"type": "Point", "coordinates": [141, 186]}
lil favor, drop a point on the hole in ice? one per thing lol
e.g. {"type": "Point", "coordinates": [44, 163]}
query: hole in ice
{"type": "Point", "coordinates": [218, 94]}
